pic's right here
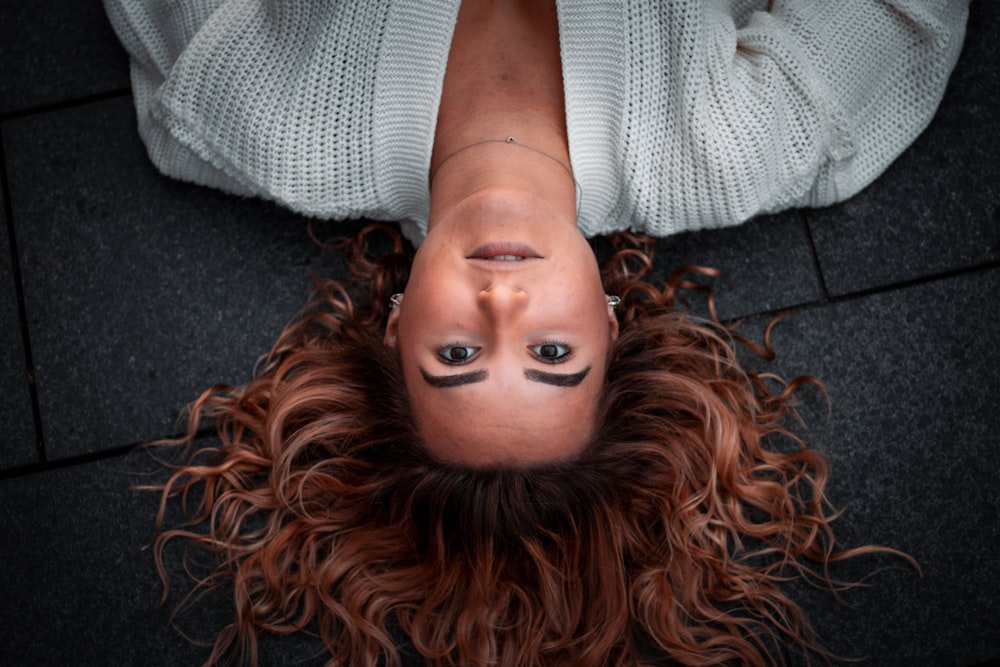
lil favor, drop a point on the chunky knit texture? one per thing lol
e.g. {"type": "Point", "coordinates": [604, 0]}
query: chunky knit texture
{"type": "Point", "coordinates": [682, 114]}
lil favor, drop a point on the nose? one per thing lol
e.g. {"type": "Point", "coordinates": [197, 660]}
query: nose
{"type": "Point", "coordinates": [502, 301]}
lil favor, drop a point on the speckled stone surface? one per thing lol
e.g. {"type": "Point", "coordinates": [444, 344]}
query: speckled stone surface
{"type": "Point", "coordinates": [913, 437]}
{"type": "Point", "coordinates": [80, 585]}
{"type": "Point", "coordinates": [766, 264]}
{"type": "Point", "coordinates": [53, 51]}
{"type": "Point", "coordinates": [17, 421]}
{"type": "Point", "coordinates": [937, 208]}
{"type": "Point", "coordinates": [140, 292]}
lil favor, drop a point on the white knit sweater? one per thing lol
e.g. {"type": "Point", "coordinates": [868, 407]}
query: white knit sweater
{"type": "Point", "coordinates": [682, 114]}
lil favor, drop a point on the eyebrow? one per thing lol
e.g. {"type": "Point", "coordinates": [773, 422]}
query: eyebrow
{"type": "Point", "coordinates": [445, 381]}
{"type": "Point", "coordinates": [554, 379]}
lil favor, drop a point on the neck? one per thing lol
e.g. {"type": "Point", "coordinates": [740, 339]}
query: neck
{"type": "Point", "coordinates": [503, 78]}
{"type": "Point", "coordinates": [476, 157]}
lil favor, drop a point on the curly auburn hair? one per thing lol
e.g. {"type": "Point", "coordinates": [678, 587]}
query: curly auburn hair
{"type": "Point", "coordinates": [668, 536]}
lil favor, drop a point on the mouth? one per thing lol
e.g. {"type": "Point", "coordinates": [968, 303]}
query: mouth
{"type": "Point", "coordinates": [504, 252]}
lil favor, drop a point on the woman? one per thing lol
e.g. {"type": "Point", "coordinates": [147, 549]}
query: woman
{"type": "Point", "coordinates": [505, 330]}
{"type": "Point", "coordinates": [519, 118]}
{"type": "Point", "coordinates": [494, 461]}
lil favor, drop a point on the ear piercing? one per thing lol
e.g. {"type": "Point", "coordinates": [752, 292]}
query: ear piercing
{"type": "Point", "coordinates": [613, 301]}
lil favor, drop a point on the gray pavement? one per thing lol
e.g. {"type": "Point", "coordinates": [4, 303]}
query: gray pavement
{"type": "Point", "coordinates": [124, 294]}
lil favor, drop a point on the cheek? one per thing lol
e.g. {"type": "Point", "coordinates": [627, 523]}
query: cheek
{"type": "Point", "coordinates": [428, 314]}
{"type": "Point", "coordinates": [413, 327]}
{"type": "Point", "coordinates": [582, 292]}
{"type": "Point", "coordinates": [580, 267]}
{"type": "Point", "coordinates": [427, 294]}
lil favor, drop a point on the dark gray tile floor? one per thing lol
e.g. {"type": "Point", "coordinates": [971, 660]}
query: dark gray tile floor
{"type": "Point", "coordinates": [55, 51]}
{"type": "Point", "coordinates": [123, 294]}
{"type": "Point", "coordinates": [139, 291]}
{"type": "Point", "coordinates": [16, 414]}
{"type": "Point", "coordinates": [913, 377]}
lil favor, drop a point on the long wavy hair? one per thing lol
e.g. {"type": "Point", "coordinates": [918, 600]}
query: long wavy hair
{"type": "Point", "coordinates": [667, 538]}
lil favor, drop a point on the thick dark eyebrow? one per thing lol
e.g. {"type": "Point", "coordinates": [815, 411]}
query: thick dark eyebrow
{"type": "Point", "coordinates": [445, 381]}
{"type": "Point", "coordinates": [556, 379]}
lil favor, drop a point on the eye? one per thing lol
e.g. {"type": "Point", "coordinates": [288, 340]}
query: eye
{"type": "Point", "coordinates": [551, 352]}
{"type": "Point", "coordinates": [456, 354]}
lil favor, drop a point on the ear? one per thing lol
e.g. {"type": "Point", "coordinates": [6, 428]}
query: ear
{"type": "Point", "coordinates": [391, 329]}
{"type": "Point", "coordinates": [612, 324]}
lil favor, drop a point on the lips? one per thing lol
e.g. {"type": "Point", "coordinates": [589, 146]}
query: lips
{"type": "Point", "coordinates": [504, 252]}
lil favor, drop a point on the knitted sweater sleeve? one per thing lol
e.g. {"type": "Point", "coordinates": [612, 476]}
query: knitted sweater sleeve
{"type": "Point", "coordinates": [155, 34]}
{"type": "Point", "coordinates": [280, 99]}
{"type": "Point", "coordinates": [763, 108]}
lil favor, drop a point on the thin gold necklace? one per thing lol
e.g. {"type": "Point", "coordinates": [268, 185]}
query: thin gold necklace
{"type": "Point", "coordinates": [511, 140]}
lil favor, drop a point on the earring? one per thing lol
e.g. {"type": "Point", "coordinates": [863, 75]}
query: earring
{"type": "Point", "coordinates": [613, 301]}
{"type": "Point", "coordinates": [395, 300]}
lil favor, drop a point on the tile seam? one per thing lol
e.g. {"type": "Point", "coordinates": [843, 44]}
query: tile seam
{"type": "Point", "coordinates": [22, 311]}
{"type": "Point", "coordinates": [26, 112]}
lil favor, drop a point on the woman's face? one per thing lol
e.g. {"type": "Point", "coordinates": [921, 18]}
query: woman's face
{"type": "Point", "coordinates": [504, 333]}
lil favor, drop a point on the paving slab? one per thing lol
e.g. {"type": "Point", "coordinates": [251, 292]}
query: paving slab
{"type": "Point", "coordinates": [140, 291]}
{"type": "Point", "coordinates": [937, 208]}
{"type": "Point", "coordinates": [913, 435]}
{"type": "Point", "coordinates": [78, 588]}
{"type": "Point", "coordinates": [766, 264]}
{"type": "Point", "coordinates": [81, 588]}
{"type": "Point", "coordinates": [17, 421]}
{"type": "Point", "coordinates": [975, 83]}
{"type": "Point", "coordinates": [54, 51]}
